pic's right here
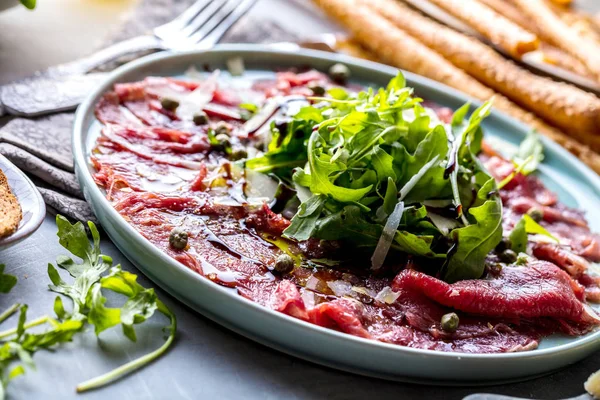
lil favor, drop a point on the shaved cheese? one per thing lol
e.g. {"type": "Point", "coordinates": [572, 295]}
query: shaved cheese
{"type": "Point", "coordinates": [260, 185]}
{"type": "Point", "coordinates": [592, 385]}
{"type": "Point", "coordinates": [340, 288]}
{"type": "Point", "coordinates": [190, 103]}
{"type": "Point", "coordinates": [195, 101]}
{"type": "Point", "coordinates": [387, 295]}
{"type": "Point", "coordinates": [364, 290]}
{"type": "Point", "coordinates": [387, 237]}
{"type": "Point", "coordinates": [235, 65]}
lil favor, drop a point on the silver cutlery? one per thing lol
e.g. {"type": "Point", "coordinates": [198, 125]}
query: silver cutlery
{"type": "Point", "coordinates": [62, 87]}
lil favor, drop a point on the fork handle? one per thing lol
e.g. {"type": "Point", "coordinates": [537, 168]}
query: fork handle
{"type": "Point", "coordinates": [104, 56]}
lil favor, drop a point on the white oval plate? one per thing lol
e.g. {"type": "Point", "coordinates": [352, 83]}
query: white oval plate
{"type": "Point", "coordinates": [30, 199]}
{"type": "Point", "coordinates": [561, 171]}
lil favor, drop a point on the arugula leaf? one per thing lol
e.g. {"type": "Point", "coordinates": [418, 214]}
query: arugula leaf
{"type": "Point", "coordinates": [7, 282]}
{"type": "Point", "coordinates": [530, 153]}
{"type": "Point", "coordinates": [474, 242]}
{"type": "Point", "coordinates": [30, 4]}
{"type": "Point", "coordinates": [518, 237]}
{"type": "Point", "coordinates": [304, 222]}
{"type": "Point", "coordinates": [19, 344]}
{"type": "Point", "coordinates": [356, 150]}
{"type": "Point", "coordinates": [533, 228]}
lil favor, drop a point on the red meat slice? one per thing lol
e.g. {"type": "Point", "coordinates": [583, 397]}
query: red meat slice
{"type": "Point", "coordinates": [537, 290]}
{"type": "Point", "coordinates": [286, 299]}
{"type": "Point", "coordinates": [265, 220]}
{"type": "Point", "coordinates": [341, 314]}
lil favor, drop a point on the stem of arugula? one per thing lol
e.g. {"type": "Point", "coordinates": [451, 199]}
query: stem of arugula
{"type": "Point", "coordinates": [35, 322]}
{"type": "Point", "coordinates": [9, 311]}
{"type": "Point", "coordinates": [131, 366]}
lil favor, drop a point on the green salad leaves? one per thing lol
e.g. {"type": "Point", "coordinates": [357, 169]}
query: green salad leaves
{"type": "Point", "coordinates": [360, 154]}
{"type": "Point", "coordinates": [93, 277]}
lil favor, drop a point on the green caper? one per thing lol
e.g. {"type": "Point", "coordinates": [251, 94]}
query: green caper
{"type": "Point", "coordinates": [178, 239]}
{"type": "Point", "coordinates": [450, 322]}
{"type": "Point", "coordinates": [238, 154]}
{"type": "Point", "coordinates": [318, 90]}
{"type": "Point", "coordinates": [246, 115]}
{"type": "Point", "coordinates": [536, 214]}
{"type": "Point", "coordinates": [223, 128]}
{"type": "Point", "coordinates": [200, 118]}
{"type": "Point", "coordinates": [284, 264]}
{"type": "Point", "coordinates": [504, 244]}
{"type": "Point", "coordinates": [223, 139]}
{"type": "Point", "coordinates": [339, 73]}
{"type": "Point", "coordinates": [508, 256]}
{"type": "Point", "coordinates": [169, 104]}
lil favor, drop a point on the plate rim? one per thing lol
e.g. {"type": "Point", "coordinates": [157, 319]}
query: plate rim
{"type": "Point", "coordinates": [33, 224]}
{"type": "Point", "coordinates": [92, 190]}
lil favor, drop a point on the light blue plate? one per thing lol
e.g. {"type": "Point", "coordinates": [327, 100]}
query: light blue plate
{"type": "Point", "coordinates": [575, 184]}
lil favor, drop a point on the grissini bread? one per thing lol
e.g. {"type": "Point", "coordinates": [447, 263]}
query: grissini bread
{"type": "Point", "coordinates": [508, 10]}
{"type": "Point", "coordinates": [546, 53]}
{"type": "Point", "coordinates": [562, 35]}
{"type": "Point", "coordinates": [10, 210]}
{"type": "Point", "coordinates": [496, 28]}
{"type": "Point", "coordinates": [563, 105]}
{"type": "Point", "coordinates": [555, 56]}
{"type": "Point", "coordinates": [582, 23]}
{"type": "Point", "coordinates": [395, 47]}
{"type": "Point", "coordinates": [353, 48]}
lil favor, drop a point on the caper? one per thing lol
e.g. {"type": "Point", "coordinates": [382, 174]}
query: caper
{"type": "Point", "coordinates": [223, 128]}
{"type": "Point", "coordinates": [246, 115]}
{"type": "Point", "coordinates": [508, 256]}
{"type": "Point", "coordinates": [536, 214]}
{"type": "Point", "coordinates": [284, 264]}
{"type": "Point", "coordinates": [318, 90]}
{"type": "Point", "coordinates": [339, 73]}
{"type": "Point", "coordinates": [450, 322]}
{"type": "Point", "coordinates": [169, 104]}
{"type": "Point", "coordinates": [504, 244]}
{"type": "Point", "coordinates": [178, 238]}
{"type": "Point", "coordinates": [200, 118]}
{"type": "Point", "coordinates": [223, 139]}
{"type": "Point", "coordinates": [238, 154]}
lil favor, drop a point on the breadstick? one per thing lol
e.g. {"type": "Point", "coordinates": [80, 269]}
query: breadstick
{"type": "Point", "coordinates": [561, 35]}
{"type": "Point", "coordinates": [555, 56]}
{"type": "Point", "coordinates": [499, 30]}
{"type": "Point", "coordinates": [565, 106]}
{"type": "Point", "coordinates": [351, 47]}
{"type": "Point", "coordinates": [509, 11]}
{"type": "Point", "coordinates": [395, 47]}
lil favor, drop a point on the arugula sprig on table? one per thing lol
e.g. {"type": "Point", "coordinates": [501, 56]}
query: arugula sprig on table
{"type": "Point", "coordinates": [92, 278]}
{"type": "Point", "coordinates": [361, 154]}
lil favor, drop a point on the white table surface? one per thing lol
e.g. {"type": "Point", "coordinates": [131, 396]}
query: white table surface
{"type": "Point", "coordinates": [207, 361]}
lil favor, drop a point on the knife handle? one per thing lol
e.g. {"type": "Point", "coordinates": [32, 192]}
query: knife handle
{"type": "Point", "coordinates": [104, 56]}
{"type": "Point", "coordinates": [58, 88]}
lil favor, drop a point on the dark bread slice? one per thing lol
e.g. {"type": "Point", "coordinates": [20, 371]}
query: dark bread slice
{"type": "Point", "coordinates": [10, 210]}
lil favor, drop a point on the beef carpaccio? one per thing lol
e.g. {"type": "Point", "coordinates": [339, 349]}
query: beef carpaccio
{"type": "Point", "coordinates": [172, 158]}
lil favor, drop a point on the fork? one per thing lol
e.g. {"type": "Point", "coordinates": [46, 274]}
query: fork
{"type": "Point", "coordinates": [201, 25]}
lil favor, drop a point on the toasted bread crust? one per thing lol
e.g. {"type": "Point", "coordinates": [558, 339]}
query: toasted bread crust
{"type": "Point", "coordinates": [10, 210]}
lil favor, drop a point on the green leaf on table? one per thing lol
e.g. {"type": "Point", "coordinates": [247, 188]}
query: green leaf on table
{"type": "Point", "coordinates": [30, 4]}
{"type": "Point", "coordinates": [7, 282]}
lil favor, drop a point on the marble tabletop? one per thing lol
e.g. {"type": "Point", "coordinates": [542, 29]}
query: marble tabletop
{"type": "Point", "coordinates": [207, 361]}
